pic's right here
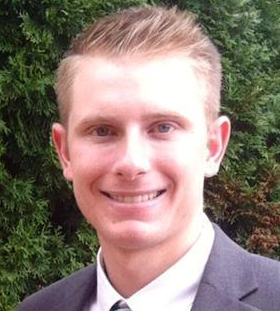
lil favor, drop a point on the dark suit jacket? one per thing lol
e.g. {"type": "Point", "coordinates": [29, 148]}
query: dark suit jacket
{"type": "Point", "coordinates": [233, 280]}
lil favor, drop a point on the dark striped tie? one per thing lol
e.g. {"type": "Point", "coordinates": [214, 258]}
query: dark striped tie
{"type": "Point", "coordinates": [120, 306]}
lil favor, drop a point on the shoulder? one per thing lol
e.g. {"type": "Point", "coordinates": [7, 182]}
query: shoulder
{"type": "Point", "coordinates": [267, 271]}
{"type": "Point", "coordinates": [251, 278]}
{"type": "Point", "coordinates": [267, 276]}
{"type": "Point", "coordinates": [230, 250]}
{"type": "Point", "coordinates": [69, 293]}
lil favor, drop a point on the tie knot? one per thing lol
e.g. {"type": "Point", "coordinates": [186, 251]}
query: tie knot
{"type": "Point", "coordinates": [120, 306]}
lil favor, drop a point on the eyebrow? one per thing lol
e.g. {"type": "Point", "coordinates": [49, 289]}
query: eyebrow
{"type": "Point", "coordinates": [97, 119]}
{"type": "Point", "coordinates": [94, 119]}
{"type": "Point", "coordinates": [166, 115]}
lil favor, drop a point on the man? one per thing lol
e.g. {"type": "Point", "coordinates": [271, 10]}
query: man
{"type": "Point", "coordinates": [138, 95]}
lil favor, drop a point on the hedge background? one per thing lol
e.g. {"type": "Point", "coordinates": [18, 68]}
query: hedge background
{"type": "Point", "coordinates": [42, 234]}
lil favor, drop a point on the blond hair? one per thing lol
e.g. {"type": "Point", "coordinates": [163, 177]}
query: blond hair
{"type": "Point", "coordinates": [144, 32]}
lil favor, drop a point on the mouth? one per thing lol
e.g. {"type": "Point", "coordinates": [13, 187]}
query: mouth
{"type": "Point", "coordinates": [134, 198]}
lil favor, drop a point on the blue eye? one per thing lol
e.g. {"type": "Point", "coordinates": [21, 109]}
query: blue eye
{"type": "Point", "coordinates": [164, 128]}
{"type": "Point", "coordinates": [102, 131]}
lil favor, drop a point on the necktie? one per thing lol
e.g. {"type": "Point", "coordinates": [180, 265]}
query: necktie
{"type": "Point", "coordinates": [120, 306]}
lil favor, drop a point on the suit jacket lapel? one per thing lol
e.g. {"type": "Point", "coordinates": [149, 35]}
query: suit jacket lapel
{"type": "Point", "coordinates": [212, 299]}
{"type": "Point", "coordinates": [227, 279]}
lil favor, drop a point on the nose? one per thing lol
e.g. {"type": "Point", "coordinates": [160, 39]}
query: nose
{"type": "Point", "coordinates": [133, 158]}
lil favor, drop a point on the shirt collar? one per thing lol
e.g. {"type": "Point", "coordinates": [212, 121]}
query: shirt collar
{"type": "Point", "coordinates": [184, 276]}
{"type": "Point", "coordinates": [106, 293]}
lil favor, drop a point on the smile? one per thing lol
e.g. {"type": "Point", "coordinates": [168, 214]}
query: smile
{"type": "Point", "coordinates": [136, 198]}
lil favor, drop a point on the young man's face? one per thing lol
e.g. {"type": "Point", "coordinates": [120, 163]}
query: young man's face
{"type": "Point", "coordinates": [137, 149]}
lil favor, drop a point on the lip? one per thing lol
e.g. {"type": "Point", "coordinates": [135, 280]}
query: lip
{"type": "Point", "coordinates": [133, 197]}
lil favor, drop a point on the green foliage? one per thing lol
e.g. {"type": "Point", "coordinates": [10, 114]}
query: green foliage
{"type": "Point", "coordinates": [42, 234]}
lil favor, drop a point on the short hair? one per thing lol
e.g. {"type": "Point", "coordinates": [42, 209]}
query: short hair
{"type": "Point", "coordinates": [144, 32]}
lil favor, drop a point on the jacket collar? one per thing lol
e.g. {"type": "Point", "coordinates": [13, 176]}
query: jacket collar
{"type": "Point", "coordinates": [228, 278]}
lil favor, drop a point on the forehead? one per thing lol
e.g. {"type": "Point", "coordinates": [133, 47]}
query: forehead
{"type": "Point", "coordinates": [162, 83]}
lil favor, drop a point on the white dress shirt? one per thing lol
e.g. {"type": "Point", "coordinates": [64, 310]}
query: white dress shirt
{"type": "Point", "coordinates": [175, 289]}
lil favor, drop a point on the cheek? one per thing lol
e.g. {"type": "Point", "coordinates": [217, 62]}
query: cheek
{"type": "Point", "coordinates": [184, 167]}
{"type": "Point", "coordinates": [88, 162]}
{"type": "Point", "coordinates": [181, 160]}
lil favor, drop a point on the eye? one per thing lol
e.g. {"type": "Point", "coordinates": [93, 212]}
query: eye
{"type": "Point", "coordinates": [103, 131]}
{"type": "Point", "coordinates": [164, 128]}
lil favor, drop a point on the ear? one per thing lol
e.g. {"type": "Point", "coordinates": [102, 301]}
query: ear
{"type": "Point", "coordinates": [59, 137]}
{"type": "Point", "coordinates": [217, 143]}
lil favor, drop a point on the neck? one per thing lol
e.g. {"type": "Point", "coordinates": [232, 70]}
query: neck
{"type": "Point", "coordinates": [129, 270]}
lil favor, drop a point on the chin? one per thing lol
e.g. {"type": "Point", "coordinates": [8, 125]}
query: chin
{"type": "Point", "coordinates": [136, 236]}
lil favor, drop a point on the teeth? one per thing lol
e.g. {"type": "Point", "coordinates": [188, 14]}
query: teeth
{"type": "Point", "coordinates": [135, 199]}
